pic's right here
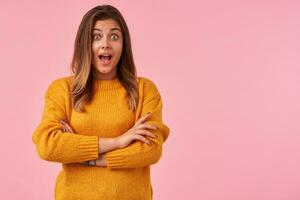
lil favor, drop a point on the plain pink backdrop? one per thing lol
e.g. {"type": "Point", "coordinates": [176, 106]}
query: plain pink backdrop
{"type": "Point", "coordinates": [228, 72]}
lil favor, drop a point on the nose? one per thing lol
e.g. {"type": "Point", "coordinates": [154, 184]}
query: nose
{"type": "Point", "coordinates": [105, 44]}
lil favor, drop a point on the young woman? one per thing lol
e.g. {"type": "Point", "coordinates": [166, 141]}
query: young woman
{"type": "Point", "coordinates": [103, 123]}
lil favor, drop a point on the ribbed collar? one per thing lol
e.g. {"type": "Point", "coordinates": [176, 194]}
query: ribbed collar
{"type": "Point", "coordinates": [107, 84]}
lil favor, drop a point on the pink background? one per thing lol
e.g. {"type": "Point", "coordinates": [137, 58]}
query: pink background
{"type": "Point", "coordinates": [228, 72]}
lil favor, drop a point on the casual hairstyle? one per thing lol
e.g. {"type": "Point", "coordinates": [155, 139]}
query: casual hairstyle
{"type": "Point", "coordinates": [81, 67]}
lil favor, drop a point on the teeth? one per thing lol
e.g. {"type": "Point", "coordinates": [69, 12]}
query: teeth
{"type": "Point", "coordinates": [103, 56]}
{"type": "Point", "coordinates": [107, 56]}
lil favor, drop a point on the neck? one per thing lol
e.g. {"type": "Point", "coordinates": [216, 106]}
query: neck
{"type": "Point", "coordinates": [99, 76]}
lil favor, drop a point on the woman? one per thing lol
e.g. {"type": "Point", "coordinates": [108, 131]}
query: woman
{"type": "Point", "coordinates": [103, 123]}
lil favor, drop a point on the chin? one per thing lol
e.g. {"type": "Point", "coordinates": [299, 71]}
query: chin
{"type": "Point", "coordinates": [105, 70]}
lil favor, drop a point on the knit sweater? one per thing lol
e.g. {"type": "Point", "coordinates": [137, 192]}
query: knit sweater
{"type": "Point", "coordinates": [127, 175]}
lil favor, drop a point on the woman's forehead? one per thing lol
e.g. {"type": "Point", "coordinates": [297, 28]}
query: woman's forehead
{"type": "Point", "coordinates": [107, 24]}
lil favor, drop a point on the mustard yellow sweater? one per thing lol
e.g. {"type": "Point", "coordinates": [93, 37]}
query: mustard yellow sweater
{"type": "Point", "coordinates": [127, 175]}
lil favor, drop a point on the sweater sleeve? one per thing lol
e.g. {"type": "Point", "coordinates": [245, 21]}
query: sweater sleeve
{"type": "Point", "coordinates": [52, 144]}
{"type": "Point", "coordinates": [138, 153]}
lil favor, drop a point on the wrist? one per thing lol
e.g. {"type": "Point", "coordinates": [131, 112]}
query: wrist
{"type": "Point", "coordinates": [108, 144]}
{"type": "Point", "coordinates": [116, 142]}
{"type": "Point", "coordinates": [101, 161]}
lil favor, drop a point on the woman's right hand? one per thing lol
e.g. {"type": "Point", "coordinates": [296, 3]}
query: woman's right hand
{"type": "Point", "coordinates": [137, 132]}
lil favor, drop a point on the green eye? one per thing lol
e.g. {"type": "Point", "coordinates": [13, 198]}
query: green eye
{"type": "Point", "coordinates": [115, 37]}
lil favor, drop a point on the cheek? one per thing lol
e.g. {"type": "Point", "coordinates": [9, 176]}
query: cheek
{"type": "Point", "coordinates": [94, 59]}
{"type": "Point", "coordinates": [95, 47]}
{"type": "Point", "coordinates": [119, 48]}
{"type": "Point", "coordinates": [95, 51]}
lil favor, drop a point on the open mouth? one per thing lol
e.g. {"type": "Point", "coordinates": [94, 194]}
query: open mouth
{"type": "Point", "coordinates": [105, 59]}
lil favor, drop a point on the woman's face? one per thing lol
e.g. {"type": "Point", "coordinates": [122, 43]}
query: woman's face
{"type": "Point", "coordinates": [107, 45]}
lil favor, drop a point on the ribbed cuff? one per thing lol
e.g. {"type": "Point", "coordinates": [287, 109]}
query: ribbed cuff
{"type": "Point", "coordinates": [89, 147]}
{"type": "Point", "coordinates": [115, 160]}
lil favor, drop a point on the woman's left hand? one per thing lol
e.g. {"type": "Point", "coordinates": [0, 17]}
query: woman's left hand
{"type": "Point", "coordinates": [66, 127]}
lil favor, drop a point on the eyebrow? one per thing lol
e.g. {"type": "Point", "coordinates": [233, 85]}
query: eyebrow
{"type": "Point", "coordinates": [112, 29]}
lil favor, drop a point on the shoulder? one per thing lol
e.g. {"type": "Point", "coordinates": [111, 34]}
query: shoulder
{"type": "Point", "coordinates": [146, 82]}
{"type": "Point", "coordinates": [61, 84]}
{"type": "Point", "coordinates": [64, 80]}
{"type": "Point", "coordinates": [148, 87]}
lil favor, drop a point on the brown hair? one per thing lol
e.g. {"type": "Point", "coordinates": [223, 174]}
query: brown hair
{"type": "Point", "coordinates": [82, 86]}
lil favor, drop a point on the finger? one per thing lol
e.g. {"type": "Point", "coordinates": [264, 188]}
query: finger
{"type": "Point", "coordinates": [145, 132]}
{"type": "Point", "coordinates": [62, 123]}
{"type": "Point", "coordinates": [66, 127]}
{"type": "Point", "coordinates": [147, 126]}
{"type": "Point", "coordinates": [69, 128]}
{"type": "Point", "coordinates": [141, 138]}
{"type": "Point", "coordinates": [153, 140]}
{"type": "Point", "coordinates": [143, 119]}
{"type": "Point", "coordinates": [62, 127]}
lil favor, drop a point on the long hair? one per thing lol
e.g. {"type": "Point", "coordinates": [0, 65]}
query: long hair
{"type": "Point", "coordinates": [82, 84]}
